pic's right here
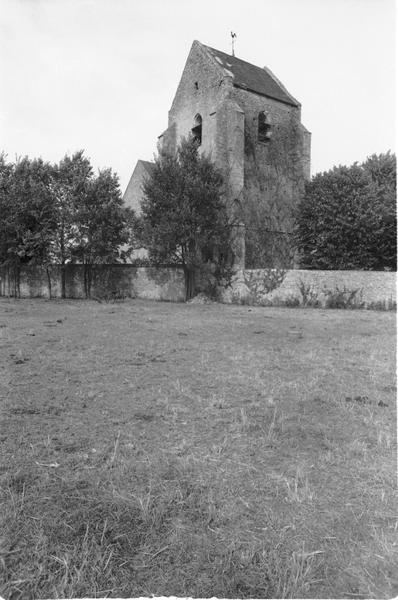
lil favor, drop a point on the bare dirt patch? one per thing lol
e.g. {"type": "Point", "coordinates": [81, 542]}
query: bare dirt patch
{"type": "Point", "coordinates": [197, 450]}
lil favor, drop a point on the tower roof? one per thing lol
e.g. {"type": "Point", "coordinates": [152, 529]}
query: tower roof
{"type": "Point", "coordinates": [255, 79]}
{"type": "Point", "coordinates": [148, 165]}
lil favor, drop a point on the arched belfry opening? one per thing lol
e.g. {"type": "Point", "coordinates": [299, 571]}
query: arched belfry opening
{"type": "Point", "coordinates": [264, 127]}
{"type": "Point", "coordinates": [197, 129]}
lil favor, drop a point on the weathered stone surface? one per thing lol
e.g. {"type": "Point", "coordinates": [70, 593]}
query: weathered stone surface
{"type": "Point", "coordinates": [373, 287]}
{"type": "Point", "coordinates": [118, 280]}
{"type": "Point", "coordinates": [271, 171]}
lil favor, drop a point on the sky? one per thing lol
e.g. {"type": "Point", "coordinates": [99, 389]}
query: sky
{"type": "Point", "coordinates": [100, 75]}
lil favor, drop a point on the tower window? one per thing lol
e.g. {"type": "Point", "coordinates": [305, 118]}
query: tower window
{"type": "Point", "coordinates": [264, 127]}
{"type": "Point", "coordinates": [197, 130]}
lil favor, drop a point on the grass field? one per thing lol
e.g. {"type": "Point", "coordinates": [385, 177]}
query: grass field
{"type": "Point", "coordinates": [197, 450]}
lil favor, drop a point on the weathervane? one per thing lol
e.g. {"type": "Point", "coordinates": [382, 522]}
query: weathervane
{"type": "Point", "coordinates": [233, 36]}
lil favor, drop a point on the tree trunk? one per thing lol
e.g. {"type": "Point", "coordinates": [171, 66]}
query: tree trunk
{"type": "Point", "coordinates": [13, 275]}
{"type": "Point", "coordinates": [88, 283]}
{"type": "Point", "coordinates": [63, 258]}
{"type": "Point", "coordinates": [87, 280]}
{"type": "Point", "coordinates": [48, 281]}
{"type": "Point", "coordinates": [189, 283]}
{"type": "Point", "coordinates": [8, 281]}
{"type": "Point", "coordinates": [17, 281]}
{"type": "Point", "coordinates": [63, 280]}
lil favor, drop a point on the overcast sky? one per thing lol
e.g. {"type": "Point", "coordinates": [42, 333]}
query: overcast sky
{"type": "Point", "coordinates": [100, 75]}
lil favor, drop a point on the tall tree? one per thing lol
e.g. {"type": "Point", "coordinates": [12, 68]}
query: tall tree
{"type": "Point", "coordinates": [183, 214]}
{"type": "Point", "coordinates": [60, 214]}
{"type": "Point", "coordinates": [102, 224]}
{"type": "Point", "coordinates": [382, 169]}
{"type": "Point", "coordinates": [347, 218]}
{"type": "Point", "coordinates": [28, 218]}
{"type": "Point", "coordinates": [70, 187]}
{"type": "Point", "coordinates": [8, 223]}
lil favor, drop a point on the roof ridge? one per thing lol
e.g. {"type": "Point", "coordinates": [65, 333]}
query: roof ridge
{"type": "Point", "coordinates": [232, 56]}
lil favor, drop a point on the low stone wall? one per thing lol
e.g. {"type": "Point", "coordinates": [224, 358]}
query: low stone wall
{"type": "Point", "coordinates": [368, 289]}
{"type": "Point", "coordinates": [166, 283]}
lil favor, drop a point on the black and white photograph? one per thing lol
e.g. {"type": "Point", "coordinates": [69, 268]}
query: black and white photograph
{"type": "Point", "coordinates": [198, 255]}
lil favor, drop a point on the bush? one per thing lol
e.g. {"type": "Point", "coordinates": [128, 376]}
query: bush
{"type": "Point", "coordinates": [344, 298]}
{"type": "Point", "coordinates": [309, 295]}
{"type": "Point", "coordinates": [104, 294]}
{"type": "Point", "coordinates": [263, 282]}
{"type": "Point", "coordinates": [389, 304]}
{"type": "Point", "coordinates": [347, 218]}
{"type": "Point", "coordinates": [292, 302]}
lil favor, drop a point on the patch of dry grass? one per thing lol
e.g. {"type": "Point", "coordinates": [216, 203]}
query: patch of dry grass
{"type": "Point", "coordinates": [197, 451]}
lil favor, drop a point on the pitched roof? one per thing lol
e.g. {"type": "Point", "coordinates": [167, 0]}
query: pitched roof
{"type": "Point", "coordinates": [133, 193]}
{"type": "Point", "coordinates": [147, 164]}
{"type": "Point", "coordinates": [252, 78]}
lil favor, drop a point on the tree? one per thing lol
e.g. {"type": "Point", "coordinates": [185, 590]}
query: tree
{"type": "Point", "coordinates": [382, 170]}
{"type": "Point", "coordinates": [184, 219]}
{"type": "Point", "coordinates": [70, 186]}
{"type": "Point", "coordinates": [102, 225]}
{"type": "Point", "coordinates": [92, 223]}
{"type": "Point", "coordinates": [347, 218]}
{"type": "Point", "coordinates": [27, 213]}
{"type": "Point", "coordinates": [8, 229]}
{"type": "Point", "coordinates": [59, 214]}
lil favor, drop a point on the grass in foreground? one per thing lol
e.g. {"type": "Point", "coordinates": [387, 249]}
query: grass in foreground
{"type": "Point", "coordinates": [197, 451]}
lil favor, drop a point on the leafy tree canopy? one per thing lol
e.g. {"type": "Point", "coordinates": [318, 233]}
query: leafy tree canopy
{"type": "Point", "coordinates": [27, 211]}
{"type": "Point", "coordinates": [60, 213]}
{"type": "Point", "coordinates": [102, 221]}
{"type": "Point", "coordinates": [347, 218]}
{"type": "Point", "coordinates": [183, 214]}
